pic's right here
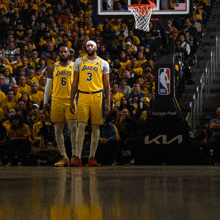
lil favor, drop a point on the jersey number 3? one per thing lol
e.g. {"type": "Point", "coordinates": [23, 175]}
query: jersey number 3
{"type": "Point", "coordinates": [89, 78]}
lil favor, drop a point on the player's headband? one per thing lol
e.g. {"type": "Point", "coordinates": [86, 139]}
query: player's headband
{"type": "Point", "coordinates": [91, 42]}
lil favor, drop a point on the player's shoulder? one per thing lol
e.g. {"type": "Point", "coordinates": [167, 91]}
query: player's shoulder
{"type": "Point", "coordinates": [78, 60]}
{"type": "Point", "coordinates": [104, 62]}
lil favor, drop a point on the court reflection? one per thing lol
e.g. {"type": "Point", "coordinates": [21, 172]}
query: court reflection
{"type": "Point", "coordinates": [105, 194]}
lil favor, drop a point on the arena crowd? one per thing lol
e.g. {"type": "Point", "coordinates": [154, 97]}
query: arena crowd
{"type": "Point", "coordinates": [31, 33]}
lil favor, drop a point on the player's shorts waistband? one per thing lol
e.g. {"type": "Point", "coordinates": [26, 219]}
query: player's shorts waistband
{"type": "Point", "coordinates": [91, 92]}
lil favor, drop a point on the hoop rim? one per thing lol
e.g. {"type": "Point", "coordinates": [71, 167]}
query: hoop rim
{"type": "Point", "coordinates": [140, 6]}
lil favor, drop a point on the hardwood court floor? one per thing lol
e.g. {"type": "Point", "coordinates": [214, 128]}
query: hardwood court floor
{"type": "Point", "coordinates": [117, 193]}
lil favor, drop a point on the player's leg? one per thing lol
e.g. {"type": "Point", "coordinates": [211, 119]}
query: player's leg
{"type": "Point", "coordinates": [72, 123]}
{"type": "Point", "coordinates": [60, 143]}
{"type": "Point", "coordinates": [83, 110]}
{"type": "Point", "coordinates": [97, 118]}
{"type": "Point", "coordinates": [73, 129]}
{"type": "Point", "coordinates": [58, 118]}
{"type": "Point", "coordinates": [95, 135]}
{"type": "Point", "coordinates": [80, 136]}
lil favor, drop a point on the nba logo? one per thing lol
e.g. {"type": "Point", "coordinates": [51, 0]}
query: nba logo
{"type": "Point", "coordinates": [164, 81]}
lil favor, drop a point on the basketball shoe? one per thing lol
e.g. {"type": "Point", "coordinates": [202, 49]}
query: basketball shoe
{"type": "Point", "coordinates": [92, 162]}
{"type": "Point", "coordinates": [76, 162]}
{"type": "Point", "coordinates": [63, 162]}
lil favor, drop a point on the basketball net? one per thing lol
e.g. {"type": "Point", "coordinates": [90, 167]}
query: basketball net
{"type": "Point", "coordinates": [142, 15]}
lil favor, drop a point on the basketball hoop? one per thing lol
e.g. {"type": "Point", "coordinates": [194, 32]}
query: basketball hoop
{"type": "Point", "coordinates": [142, 15]}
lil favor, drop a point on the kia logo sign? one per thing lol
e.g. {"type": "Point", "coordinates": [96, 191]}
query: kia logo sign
{"type": "Point", "coordinates": [162, 139]}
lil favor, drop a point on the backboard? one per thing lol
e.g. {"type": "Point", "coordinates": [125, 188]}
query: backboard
{"type": "Point", "coordinates": [164, 8]}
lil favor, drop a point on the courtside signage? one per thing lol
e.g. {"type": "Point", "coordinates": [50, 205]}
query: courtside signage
{"type": "Point", "coordinates": [164, 76]}
{"type": "Point", "coordinates": [162, 139]}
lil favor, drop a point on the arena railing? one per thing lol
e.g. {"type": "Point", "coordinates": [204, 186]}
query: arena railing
{"type": "Point", "coordinates": [203, 90]}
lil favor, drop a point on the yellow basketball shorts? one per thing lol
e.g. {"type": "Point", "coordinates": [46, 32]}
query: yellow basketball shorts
{"type": "Point", "coordinates": [91, 105]}
{"type": "Point", "coordinates": [60, 110]}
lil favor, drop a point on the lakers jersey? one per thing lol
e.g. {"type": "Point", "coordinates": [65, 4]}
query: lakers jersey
{"type": "Point", "coordinates": [62, 80]}
{"type": "Point", "coordinates": [90, 75]}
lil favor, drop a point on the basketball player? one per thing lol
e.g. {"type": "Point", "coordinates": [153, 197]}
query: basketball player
{"type": "Point", "coordinates": [91, 76]}
{"type": "Point", "coordinates": [59, 81]}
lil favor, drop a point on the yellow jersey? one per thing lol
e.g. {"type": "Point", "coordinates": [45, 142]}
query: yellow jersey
{"type": "Point", "coordinates": [62, 80]}
{"type": "Point", "coordinates": [90, 75]}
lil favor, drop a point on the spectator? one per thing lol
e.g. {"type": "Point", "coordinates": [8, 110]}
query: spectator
{"type": "Point", "coordinates": [184, 44]}
{"type": "Point", "coordinates": [192, 34]}
{"type": "Point", "coordinates": [53, 58]}
{"type": "Point", "coordinates": [42, 121]}
{"type": "Point", "coordinates": [66, 41]}
{"type": "Point", "coordinates": [125, 104]}
{"type": "Point", "coordinates": [7, 64]}
{"type": "Point", "coordinates": [33, 24]}
{"type": "Point", "coordinates": [114, 77]}
{"type": "Point", "coordinates": [17, 94]}
{"type": "Point", "coordinates": [78, 5]}
{"type": "Point", "coordinates": [107, 33]}
{"type": "Point", "coordinates": [135, 68]}
{"type": "Point", "coordinates": [16, 62]}
{"type": "Point", "coordinates": [135, 103]}
{"type": "Point", "coordinates": [48, 51]}
{"type": "Point", "coordinates": [116, 95]}
{"type": "Point", "coordinates": [89, 10]}
{"type": "Point", "coordinates": [58, 39]}
{"type": "Point", "coordinates": [43, 66]}
{"type": "Point", "coordinates": [9, 79]}
{"type": "Point", "coordinates": [68, 26]}
{"type": "Point", "coordinates": [47, 41]}
{"type": "Point", "coordinates": [124, 62]}
{"type": "Point", "coordinates": [31, 77]}
{"type": "Point", "coordinates": [108, 144]}
{"type": "Point", "coordinates": [142, 114]}
{"type": "Point", "coordinates": [3, 87]}
{"type": "Point", "coordinates": [74, 32]}
{"type": "Point", "coordinates": [8, 102]}
{"type": "Point", "coordinates": [40, 32]}
{"type": "Point", "coordinates": [206, 134]}
{"type": "Point", "coordinates": [54, 29]}
{"type": "Point", "coordinates": [45, 151]}
{"type": "Point", "coordinates": [131, 78]}
{"type": "Point", "coordinates": [81, 38]}
{"type": "Point", "coordinates": [34, 59]}
{"type": "Point", "coordinates": [137, 89]}
{"type": "Point", "coordinates": [124, 88]}
{"type": "Point", "coordinates": [19, 145]}
{"type": "Point", "coordinates": [23, 87]}
{"type": "Point", "coordinates": [11, 51]}
{"type": "Point", "coordinates": [21, 111]}
{"type": "Point", "coordinates": [196, 24]}
{"type": "Point", "coordinates": [27, 102]}
{"type": "Point", "coordinates": [36, 96]}
{"type": "Point", "coordinates": [213, 142]}
{"type": "Point", "coordinates": [134, 38]}
{"type": "Point", "coordinates": [64, 17]}
{"type": "Point", "coordinates": [140, 59]}
{"type": "Point", "coordinates": [24, 66]}
{"type": "Point", "coordinates": [33, 118]}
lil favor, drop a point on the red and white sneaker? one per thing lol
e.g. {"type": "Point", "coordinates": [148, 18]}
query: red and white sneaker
{"type": "Point", "coordinates": [76, 162]}
{"type": "Point", "coordinates": [92, 162]}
